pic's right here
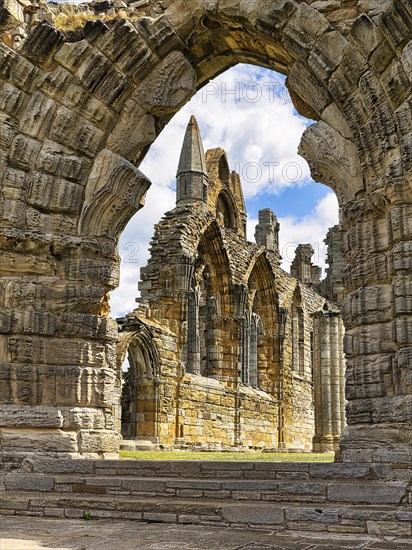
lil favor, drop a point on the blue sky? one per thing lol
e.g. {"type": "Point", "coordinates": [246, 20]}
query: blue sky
{"type": "Point", "coordinates": [248, 112]}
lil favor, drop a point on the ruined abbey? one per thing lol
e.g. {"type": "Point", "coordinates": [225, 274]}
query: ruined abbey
{"type": "Point", "coordinates": [227, 349]}
{"type": "Point", "coordinates": [225, 345]}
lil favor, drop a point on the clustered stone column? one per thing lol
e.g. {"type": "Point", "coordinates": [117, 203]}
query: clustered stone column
{"type": "Point", "coordinates": [193, 336]}
{"type": "Point", "coordinates": [253, 357]}
{"type": "Point", "coordinates": [378, 344]}
{"type": "Point", "coordinates": [328, 380]}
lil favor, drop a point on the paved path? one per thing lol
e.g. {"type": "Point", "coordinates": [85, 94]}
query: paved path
{"type": "Point", "coordinates": [28, 533]}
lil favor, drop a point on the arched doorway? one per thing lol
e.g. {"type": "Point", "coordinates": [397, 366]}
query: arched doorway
{"type": "Point", "coordinates": [139, 399]}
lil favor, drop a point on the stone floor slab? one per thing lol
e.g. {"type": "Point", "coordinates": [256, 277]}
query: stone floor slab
{"type": "Point", "coordinates": [28, 533]}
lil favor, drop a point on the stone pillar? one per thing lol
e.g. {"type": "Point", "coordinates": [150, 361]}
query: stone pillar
{"type": "Point", "coordinates": [317, 382]}
{"type": "Point", "coordinates": [246, 346]}
{"type": "Point", "coordinates": [379, 334]}
{"type": "Point", "coordinates": [335, 376]}
{"type": "Point", "coordinates": [328, 379]}
{"type": "Point", "coordinates": [282, 320]}
{"type": "Point", "coordinates": [253, 361]}
{"type": "Point", "coordinates": [57, 349]}
{"type": "Point", "coordinates": [267, 231]}
{"type": "Point", "coordinates": [193, 337]}
{"type": "Point", "coordinates": [342, 381]}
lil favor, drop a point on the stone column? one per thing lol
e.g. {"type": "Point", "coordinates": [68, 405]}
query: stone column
{"type": "Point", "coordinates": [328, 374]}
{"type": "Point", "coordinates": [334, 374]}
{"type": "Point", "coordinates": [282, 320]}
{"type": "Point", "coordinates": [246, 346]}
{"type": "Point", "coordinates": [193, 337]}
{"type": "Point", "coordinates": [326, 378]}
{"type": "Point", "coordinates": [295, 339]}
{"type": "Point", "coordinates": [317, 382]}
{"type": "Point", "coordinates": [253, 361]}
{"type": "Point", "coordinates": [379, 333]}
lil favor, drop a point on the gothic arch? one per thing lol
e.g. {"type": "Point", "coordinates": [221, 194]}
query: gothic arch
{"type": "Point", "coordinates": [263, 306]}
{"type": "Point", "coordinates": [209, 303]}
{"type": "Point", "coordinates": [139, 390]}
{"type": "Point", "coordinates": [67, 104]}
{"type": "Point", "coordinates": [225, 209]}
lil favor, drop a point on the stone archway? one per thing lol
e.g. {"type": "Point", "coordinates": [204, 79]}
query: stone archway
{"type": "Point", "coordinates": [139, 392]}
{"type": "Point", "coordinates": [71, 182]}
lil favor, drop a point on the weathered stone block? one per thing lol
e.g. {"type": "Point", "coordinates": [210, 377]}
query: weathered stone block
{"type": "Point", "coordinates": [327, 54]}
{"type": "Point", "coordinates": [168, 86]}
{"type": "Point", "coordinates": [84, 418]}
{"type": "Point", "coordinates": [55, 159]}
{"type": "Point", "coordinates": [144, 486]}
{"type": "Point", "coordinates": [254, 515]}
{"type": "Point", "coordinates": [33, 483]}
{"type": "Point", "coordinates": [71, 55]}
{"type": "Point", "coordinates": [98, 441]}
{"type": "Point", "coordinates": [140, 136]}
{"type": "Point", "coordinates": [24, 152]}
{"type": "Point", "coordinates": [11, 14]}
{"type": "Point", "coordinates": [388, 528]}
{"type": "Point", "coordinates": [302, 30]}
{"type": "Point", "coordinates": [32, 417]}
{"type": "Point", "coordinates": [366, 34]}
{"type": "Point", "coordinates": [58, 195]}
{"type": "Point", "coordinates": [42, 43]}
{"type": "Point", "coordinates": [17, 69]}
{"type": "Point", "coordinates": [308, 514]}
{"type": "Point", "coordinates": [11, 98]}
{"type": "Point", "coordinates": [305, 85]}
{"type": "Point", "coordinates": [389, 493]}
{"type": "Point", "coordinates": [72, 130]}
{"type": "Point", "coordinates": [39, 440]}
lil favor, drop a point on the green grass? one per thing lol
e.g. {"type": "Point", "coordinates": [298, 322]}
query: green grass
{"type": "Point", "coordinates": [261, 457]}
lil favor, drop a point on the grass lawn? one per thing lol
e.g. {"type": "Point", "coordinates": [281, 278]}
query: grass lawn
{"type": "Point", "coordinates": [253, 457]}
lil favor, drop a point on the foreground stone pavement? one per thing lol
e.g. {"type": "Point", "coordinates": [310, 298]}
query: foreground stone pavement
{"type": "Point", "coordinates": [20, 533]}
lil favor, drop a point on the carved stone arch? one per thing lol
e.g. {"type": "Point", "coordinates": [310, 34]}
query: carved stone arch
{"type": "Point", "coordinates": [65, 103]}
{"type": "Point", "coordinates": [116, 190]}
{"type": "Point", "coordinates": [212, 245]}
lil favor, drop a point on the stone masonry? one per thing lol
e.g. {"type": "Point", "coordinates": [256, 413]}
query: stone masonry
{"type": "Point", "coordinates": [78, 112]}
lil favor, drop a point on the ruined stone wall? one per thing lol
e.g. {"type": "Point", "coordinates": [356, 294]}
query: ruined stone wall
{"type": "Point", "coordinates": [213, 415]}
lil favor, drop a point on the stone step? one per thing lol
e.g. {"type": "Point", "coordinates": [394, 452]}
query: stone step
{"type": "Point", "coordinates": [270, 490]}
{"type": "Point", "coordinates": [374, 520]}
{"type": "Point", "coordinates": [220, 469]}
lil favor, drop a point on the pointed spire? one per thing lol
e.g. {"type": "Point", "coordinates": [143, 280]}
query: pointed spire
{"type": "Point", "coordinates": [192, 156]}
{"type": "Point", "coordinates": [191, 173]}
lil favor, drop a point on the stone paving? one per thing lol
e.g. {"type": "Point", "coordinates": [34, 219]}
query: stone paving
{"type": "Point", "coordinates": [28, 533]}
